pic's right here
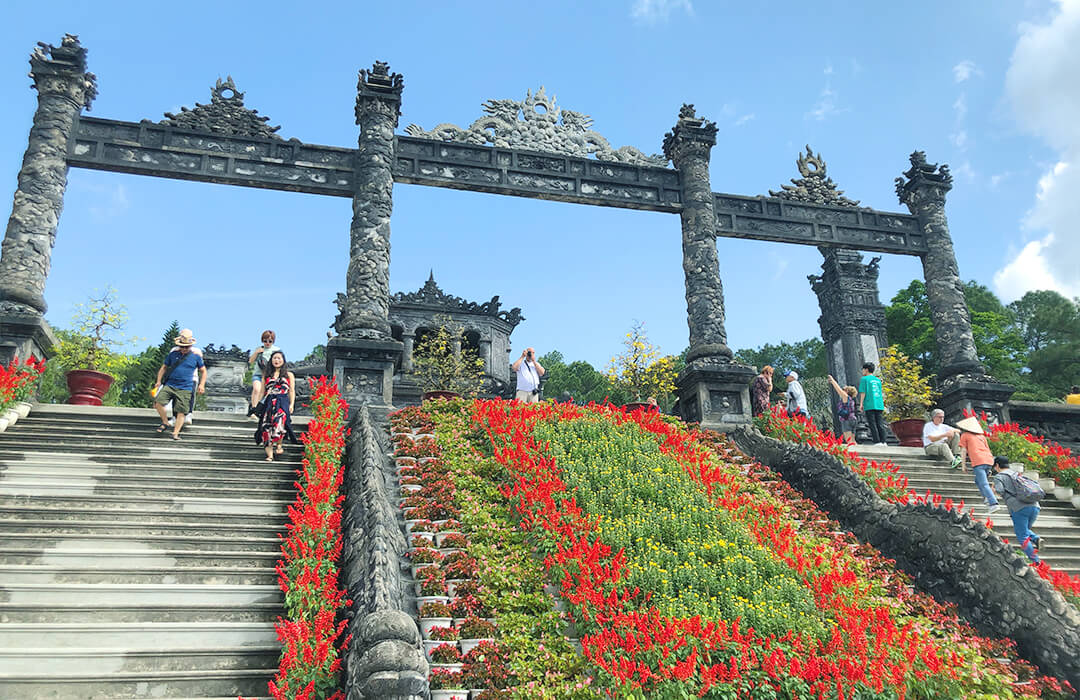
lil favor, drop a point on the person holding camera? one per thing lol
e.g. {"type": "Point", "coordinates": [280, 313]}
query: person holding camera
{"type": "Point", "coordinates": [529, 372]}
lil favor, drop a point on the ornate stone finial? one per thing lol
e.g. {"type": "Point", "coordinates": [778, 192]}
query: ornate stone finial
{"type": "Point", "coordinates": [62, 70]}
{"type": "Point", "coordinates": [537, 123]}
{"type": "Point", "coordinates": [690, 132]}
{"type": "Point", "coordinates": [226, 115]}
{"type": "Point", "coordinates": [922, 174]}
{"type": "Point", "coordinates": [814, 187]}
{"type": "Point", "coordinates": [430, 296]}
{"type": "Point", "coordinates": [380, 90]}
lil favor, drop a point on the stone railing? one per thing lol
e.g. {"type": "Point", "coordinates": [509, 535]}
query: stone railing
{"type": "Point", "coordinates": [950, 556]}
{"type": "Point", "coordinates": [385, 659]}
{"type": "Point", "coordinates": [1054, 421]}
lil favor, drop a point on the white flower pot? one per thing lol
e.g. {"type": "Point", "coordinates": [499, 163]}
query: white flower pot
{"type": "Point", "coordinates": [23, 408]}
{"type": "Point", "coordinates": [11, 414]}
{"type": "Point", "coordinates": [1063, 493]}
{"type": "Point", "coordinates": [430, 644]}
{"type": "Point", "coordinates": [3, 424]}
{"type": "Point", "coordinates": [468, 645]}
{"type": "Point", "coordinates": [1048, 485]}
{"type": "Point", "coordinates": [426, 623]}
{"type": "Point", "coordinates": [445, 694]}
{"type": "Point", "coordinates": [1075, 500]}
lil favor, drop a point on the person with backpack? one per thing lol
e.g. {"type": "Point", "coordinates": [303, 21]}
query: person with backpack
{"type": "Point", "coordinates": [1022, 495]}
{"type": "Point", "coordinates": [973, 446]}
{"type": "Point", "coordinates": [845, 410]}
{"type": "Point", "coordinates": [175, 382]}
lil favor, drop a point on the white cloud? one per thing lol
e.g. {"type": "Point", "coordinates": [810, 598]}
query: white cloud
{"type": "Point", "coordinates": [964, 70]}
{"type": "Point", "coordinates": [653, 11]}
{"type": "Point", "coordinates": [744, 119]}
{"type": "Point", "coordinates": [825, 107]}
{"type": "Point", "coordinates": [1045, 99]}
{"type": "Point", "coordinates": [964, 171]}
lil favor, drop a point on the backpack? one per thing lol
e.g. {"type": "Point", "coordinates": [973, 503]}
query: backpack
{"type": "Point", "coordinates": [844, 409]}
{"type": "Point", "coordinates": [1026, 489]}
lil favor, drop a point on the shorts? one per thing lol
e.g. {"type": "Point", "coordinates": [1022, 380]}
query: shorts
{"type": "Point", "coordinates": [256, 377]}
{"type": "Point", "coordinates": [847, 425]}
{"type": "Point", "coordinates": [181, 398]}
{"type": "Point", "coordinates": [527, 396]}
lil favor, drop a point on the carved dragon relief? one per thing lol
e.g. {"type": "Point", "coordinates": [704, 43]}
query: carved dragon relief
{"type": "Point", "coordinates": [537, 124]}
{"type": "Point", "coordinates": [814, 187]}
{"type": "Point", "coordinates": [225, 115]}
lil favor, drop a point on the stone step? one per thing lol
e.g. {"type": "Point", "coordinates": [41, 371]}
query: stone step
{"type": "Point", "coordinates": [118, 414]}
{"type": "Point", "coordinates": [33, 487]}
{"type": "Point", "coordinates": [247, 462]}
{"type": "Point", "coordinates": [173, 612]}
{"type": "Point", "coordinates": [130, 528]}
{"type": "Point", "coordinates": [139, 635]}
{"type": "Point", "coordinates": [126, 573]}
{"type": "Point", "coordinates": [154, 446]}
{"type": "Point", "coordinates": [178, 504]}
{"type": "Point", "coordinates": [72, 464]}
{"type": "Point", "coordinates": [37, 660]}
{"type": "Point", "coordinates": [131, 554]}
{"type": "Point", "coordinates": [136, 594]}
{"type": "Point", "coordinates": [199, 683]}
{"type": "Point", "coordinates": [147, 516]}
{"type": "Point", "coordinates": [100, 431]}
{"type": "Point", "coordinates": [100, 476]}
{"type": "Point", "coordinates": [97, 541]}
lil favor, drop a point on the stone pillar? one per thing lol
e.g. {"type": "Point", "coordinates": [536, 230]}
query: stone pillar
{"type": "Point", "coordinates": [407, 359]}
{"type": "Point", "coordinates": [485, 355]}
{"type": "Point", "coordinates": [363, 355]}
{"type": "Point", "coordinates": [852, 319]}
{"type": "Point", "coordinates": [455, 346]}
{"type": "Point", "coordinates": [712, 389]}
{"type": "Point", "coordinates": [962, 379]}
{"type": "Point", "coordinates": [64, 88]}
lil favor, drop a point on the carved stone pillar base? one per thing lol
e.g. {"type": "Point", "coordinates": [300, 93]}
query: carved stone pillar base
{"type": "Point", "coordinates": [24, 335]}
{"type": "Point", "coordinates": [975, 392]}
{"type": "Point", "coordinates": [364, 368]}
{"type": "Point", "coordinates": [716, 394]}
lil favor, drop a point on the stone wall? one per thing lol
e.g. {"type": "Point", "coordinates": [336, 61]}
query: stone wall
{"type": "Point", "coordinates": [1054, 421]}
{"type": "Point", "coordinates": [385, 659]}
{"type": "Point", "coordinates": [950, 556]}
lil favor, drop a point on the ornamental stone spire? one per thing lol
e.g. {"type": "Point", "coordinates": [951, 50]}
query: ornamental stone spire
{"type": "Point", "coordinates": [64, 87]}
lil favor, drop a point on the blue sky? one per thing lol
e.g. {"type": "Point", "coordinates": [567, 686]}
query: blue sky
{"type": "Point", "coordinates": [988, 87]}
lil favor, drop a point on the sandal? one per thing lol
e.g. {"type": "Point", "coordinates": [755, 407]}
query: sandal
{"type": "Point", "coordinates": [176, 437]}
{"type": "Point", "coordinates": [269, 459]}
{"type": "Point", "coordinates": [163, 427]}
{"type": "Point", "coordinates": [279, 451]}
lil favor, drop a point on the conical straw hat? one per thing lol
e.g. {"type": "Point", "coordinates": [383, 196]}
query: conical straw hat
{"type": "Point", "coordinates": [970, 424]}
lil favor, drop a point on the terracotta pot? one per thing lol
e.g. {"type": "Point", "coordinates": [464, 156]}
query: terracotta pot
{"type": "Point", "coordinates": [634, 405]}
{"type": "Point", "coordinates": [909, 431]}
{"type": "Point", "coordinates": [87, 387]}
{"type": "Point", "coordinates": [429, 395]}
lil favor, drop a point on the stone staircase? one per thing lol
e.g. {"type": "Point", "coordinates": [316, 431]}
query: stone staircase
{"type": "Point", "coordinates": [1059, 521]}
{"type": "Point", "coordinates": [134, 566]}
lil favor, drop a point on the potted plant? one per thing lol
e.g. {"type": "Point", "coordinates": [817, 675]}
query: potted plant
{"type": "Point", "coordinates": [475, 630]}
{"type": "Point", "coordinates": [443, 366]}
{"type": "Point", "coordinates": [434, 615]}
{"type": "Point", "coordinates": [87, 353]}
{"type": "Point", "coordinates": [447, 685]}
{"type": "Point", "coordinates": [641, 372]}
{"type": "Point", "coordinates": [907, 395]}
{"type": "Point", "coordinates": [18, 382]}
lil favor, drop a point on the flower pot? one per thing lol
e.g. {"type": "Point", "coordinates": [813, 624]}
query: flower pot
{"type": "Point", "coordinates": [468, 645]}
{"type": "Point", "coordinates": [445, 694]}
{"type": "Point", "coordinates": [3, 424]}
{"type": "Point", "coordinates": [429, 395]}
{"type": "Point", "coordinates": [423, 600]}
{"type": "Point", "coordinates": [1063, 493]}
{"type": "Point", "coordinates": [10, 415]}
{"type": "Point", "coordinates": [909, 431]}
{"type": "Point", "coordinates": [404, 461]}
{"type": "Point", "coordinates": [440, 537]}
{"type": "Point", "coordinates": [452, 585]}
{"type": "Point", "coordinates": [452, 668]}
{"type": "Point", "coordinates": [430, 644]}
{"type": "Point", "coordinates": [1047, 484]}
{"type": "Point", "coordinates": [426, 623]}
{"type": "Point", "coordinates": [87, 387]}
{"type": "Point", "coordinates": [23, 408]}
{"type": "Point", "coordinates": [635, 405]}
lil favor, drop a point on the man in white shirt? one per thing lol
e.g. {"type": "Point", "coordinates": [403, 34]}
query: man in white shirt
{"type": "Point", "coordinates": [529, 372]}
{"type": "Point", "coordinates": [940, 439]}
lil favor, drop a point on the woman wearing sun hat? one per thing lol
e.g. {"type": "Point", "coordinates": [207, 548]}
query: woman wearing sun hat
{"type": "Point", "coordinates": [973, 446]}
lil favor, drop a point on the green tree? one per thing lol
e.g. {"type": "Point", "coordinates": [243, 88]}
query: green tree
{"type": "Point", "coordinates": [317, 354]}
{"type": "Point", "coordinates": [807, 357]}
{"type": "Point", "coordinates": [1044, 318]}
{"type": "Point", "coordinates": [579, 379]}
{"type": "Point", "coordinates": [908, 325]}
{"type": "Point", "coordinates": [136, 389]}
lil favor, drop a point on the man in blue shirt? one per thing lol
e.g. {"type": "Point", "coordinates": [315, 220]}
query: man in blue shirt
{"type": "Point", "coordinates": [179, 383]}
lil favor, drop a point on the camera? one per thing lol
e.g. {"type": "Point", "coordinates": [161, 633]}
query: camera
{"type": "Point", "coordinates": [536, 391]}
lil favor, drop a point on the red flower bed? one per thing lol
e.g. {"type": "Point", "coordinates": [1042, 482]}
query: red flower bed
{"type": "Point", "coordinates": [310, 633]}
{"type": "Point", "coordinates": [17, 380]}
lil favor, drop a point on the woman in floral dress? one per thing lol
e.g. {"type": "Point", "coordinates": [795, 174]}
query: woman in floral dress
{"type": "Point", "coordinates": [279, 389]}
